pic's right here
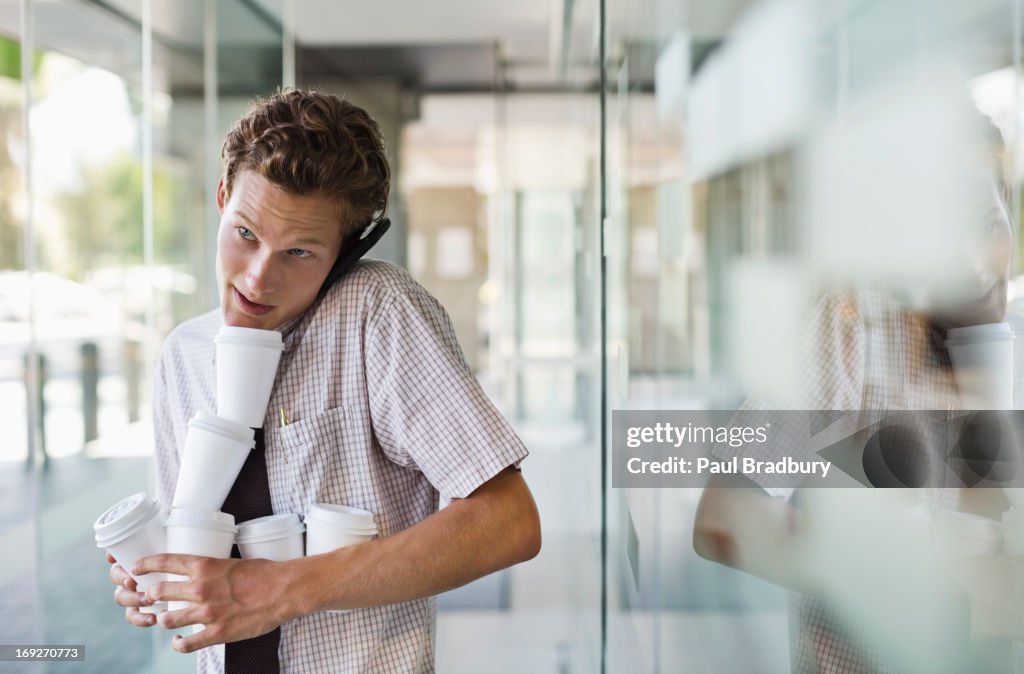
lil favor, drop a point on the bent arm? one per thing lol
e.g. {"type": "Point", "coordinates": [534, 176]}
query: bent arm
{"type": "Point", "coordinates": [494, 527]}
{"type": "Point", "coordinates": [739, 525]}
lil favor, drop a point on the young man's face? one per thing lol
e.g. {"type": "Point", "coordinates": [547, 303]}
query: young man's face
{"type": "Point", "coordinates": [274, 250]}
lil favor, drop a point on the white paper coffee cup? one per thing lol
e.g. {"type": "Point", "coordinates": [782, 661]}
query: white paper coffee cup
{"type": "Point", "coordinates": [329, 527]}
{"type": "Point", "coordinates": [274, 537]}
{"type": "Point", "coordinates": [247, 361]}
{"type": "Point", "coordinates": [1012, 528]}
{"type": "Point", "coordinates": [130, 530]}
{"type": "Point", "coordinates": [215, 450]}
{"type": "Point", "coordinates": [982, 357]}
{"type": "Point", "coordinates": [206, 533]}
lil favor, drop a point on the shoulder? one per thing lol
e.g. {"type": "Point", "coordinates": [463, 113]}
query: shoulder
{"type": "Point", "coordinates": [380, 274]}
{"type": "Point", "coordinates": [371, 283]}
{"type": "Point", "coordinates": [840, 311]}
{"type": "Point", "coordinates": [192, 336]}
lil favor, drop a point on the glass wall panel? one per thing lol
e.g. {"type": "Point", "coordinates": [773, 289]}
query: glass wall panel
{"type": "Point", "coordinates": [18, 576]}
{"type": "Point", "coordinates": [777, 170]}
{"type": "Point", "coordinates": [501, 193]}
{"type": "Point", "coordinates": [551, 350]}
{"type": "Point", "coordinates": [103, 250]}
{"type": "Point", "coordinates": [15, 298]}
{"type": "Point", "coordinates": [86, 206]}
{"type": "Point", "coordinates": [183, 241]}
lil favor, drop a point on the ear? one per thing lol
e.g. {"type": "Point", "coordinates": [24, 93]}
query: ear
{"type": "Point", "coordinates": [222, 195]}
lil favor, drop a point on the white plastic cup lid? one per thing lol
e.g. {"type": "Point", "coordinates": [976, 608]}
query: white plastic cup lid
{"type": "Point", "coordinates": [201, 519]}
{"type": "Point", "coordinates": [979, 333]}
{"type": "Point", "coordinates": [232, 430]}
{"type": "Point", "coordinates": [269, 527]}
{"type": "Point", "coordinates": [1013, 518]}
{"type": "Point", "coordinates": [342, 517]}
{"type": "Point", "coordinates": [250, 336]}
{"type": "Point", "coordinates": [124, 518]}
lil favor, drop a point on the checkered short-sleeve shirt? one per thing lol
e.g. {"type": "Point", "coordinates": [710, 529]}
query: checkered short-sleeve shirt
{"type": "Point", "coordinates": [385, 415]}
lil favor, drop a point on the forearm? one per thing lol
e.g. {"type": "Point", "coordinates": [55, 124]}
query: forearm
{"type": "Point", "coordinates": [494, 528]}
{"type": "Point", "coordinates": [755, 533]}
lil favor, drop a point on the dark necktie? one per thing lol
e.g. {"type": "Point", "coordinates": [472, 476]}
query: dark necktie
{"type": "Point", "coordinates": [248, 499]}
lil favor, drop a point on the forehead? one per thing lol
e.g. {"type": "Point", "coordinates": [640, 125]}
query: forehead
{"type": "Point", "coordinates": [261, 202]}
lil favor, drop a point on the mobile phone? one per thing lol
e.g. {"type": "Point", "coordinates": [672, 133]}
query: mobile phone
{"type": "Point", "coordinates": [353, 249]}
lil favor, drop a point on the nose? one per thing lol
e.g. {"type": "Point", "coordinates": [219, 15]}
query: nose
{"type": "Point", "coordinates": [260, 275]}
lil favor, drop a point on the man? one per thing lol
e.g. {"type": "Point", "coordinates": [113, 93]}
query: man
{"type": "Point", "coordinates": [373, 407]}
{"type": "Point", "coordinates": [865, 351]}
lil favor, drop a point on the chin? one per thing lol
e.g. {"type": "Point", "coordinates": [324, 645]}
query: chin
{"type": "Point", "coordinates": [239, 319]}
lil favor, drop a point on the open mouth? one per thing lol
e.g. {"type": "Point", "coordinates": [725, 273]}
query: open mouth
{"type": "Point", "coordinates": [251, 308]}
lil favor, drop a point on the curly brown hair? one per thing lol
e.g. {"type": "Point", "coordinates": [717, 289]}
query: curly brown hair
{"type": "Point", "coordinates": [310, 142]}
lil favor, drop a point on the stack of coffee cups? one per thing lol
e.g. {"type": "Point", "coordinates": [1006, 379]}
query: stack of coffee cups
{"type": "Point", "coordinates": [217, 445]}
{"type": "Point", "coordinates": [247, 361]}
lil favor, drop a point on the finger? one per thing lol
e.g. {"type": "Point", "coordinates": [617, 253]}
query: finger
{"type": "Point", "coordinates": [127, 598]}
{"type": "Point", "coordinates": [166, 562]}
{"type": "Point", "coordinates": [110, 559]}
{"type": "Point", "coordinates": [172, 590]}
{"type": "Point", "coordinates": [134, 617]}
{"type": "Point", "coordinates": [179, 618]}
{"type": "Point", "coordinates": [194, 642]}
{"type": "Point", "coordinates": [118, 576]}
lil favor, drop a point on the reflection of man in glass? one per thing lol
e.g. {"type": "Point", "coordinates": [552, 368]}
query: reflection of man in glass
{"type": "Point", "coordinates": [379, 411]}
{"type": "Point", "coordinates": [865, 351]}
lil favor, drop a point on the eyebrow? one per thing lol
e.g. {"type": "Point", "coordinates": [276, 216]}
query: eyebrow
{"type": "Point", "coordinates": [310, 242]}
{"type": "Point", "coordinates": [305, 241]}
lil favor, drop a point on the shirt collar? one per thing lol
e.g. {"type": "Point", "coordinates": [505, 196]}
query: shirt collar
{"type": "Point", "coordinates": [293, 329]}
{"type": "Point", "coordinates": [289, 332]}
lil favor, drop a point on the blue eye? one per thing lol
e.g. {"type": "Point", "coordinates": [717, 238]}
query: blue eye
{"type": "Point", "coordinates": [298, 252]}
{"type": "Point", "coordinates": [246, 233]}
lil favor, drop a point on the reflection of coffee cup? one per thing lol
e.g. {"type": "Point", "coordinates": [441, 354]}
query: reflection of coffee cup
{"type": "Point", "coordinates": [982, 357]}
{"type": "Point", "coordinates": [206, 533]}
{"type": "Point", "coordinates": [130, 530]}
{"type": "Point", "coordinates": [215, 450]}
{"type": "Point", "coordinates": [329, 527]}
{"type": "Point", "coordinates": [961, 535]}
{"type": "Point", "coordinates": [275, 537]}
{"type": "Point", "coordinates": [995, 611]}
{"type": "Point", "coordinates": [1012, 527]}
{"type": "Point", "coordinates": [247, 361]}
{"type": "Point", "coordinates": [957, 537]}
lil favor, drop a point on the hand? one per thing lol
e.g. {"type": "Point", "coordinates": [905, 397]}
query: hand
{"type": "Point", "coordinates": [234, 598]}
{"type": "Point", "coordinates": [127, 594]}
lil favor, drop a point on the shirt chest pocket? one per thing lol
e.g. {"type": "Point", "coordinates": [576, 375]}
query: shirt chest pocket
{"type": "Point", "coordinates": [305, 459]}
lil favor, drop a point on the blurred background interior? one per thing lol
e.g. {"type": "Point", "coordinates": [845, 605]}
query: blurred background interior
{"type": "Point", "coordinates": [621, 203]}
